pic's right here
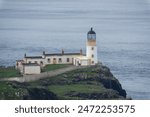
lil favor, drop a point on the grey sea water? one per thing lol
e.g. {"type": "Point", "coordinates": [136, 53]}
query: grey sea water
{"type": "Point", "coordinates": [122, 27]}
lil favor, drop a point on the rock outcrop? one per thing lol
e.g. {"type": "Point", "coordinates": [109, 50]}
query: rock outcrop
{"type": "Point", "coordinates": [93, 82]}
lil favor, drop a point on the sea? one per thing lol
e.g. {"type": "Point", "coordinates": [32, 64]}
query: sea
{"type": "Point", "coordinates": [122, 28]}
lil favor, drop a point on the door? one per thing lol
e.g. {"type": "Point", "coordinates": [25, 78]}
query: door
{"type": "Point", "coordinates": [54, 61]}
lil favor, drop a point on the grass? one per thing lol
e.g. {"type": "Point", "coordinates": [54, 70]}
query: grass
{"type": "Point", "coordinates": [66, 77]}
{"type": "Point", "coordinates": [54, 67]}
{"type": "Point", "coordinates": [9, 72]}
{"type": "Point", "coordinates": [83, 88]}
{"type": "Point", "coordinates": [62, 90]}
{"type": "Point", "coordinates": [73, 85]}
{"type": "Point", "coordinates": [7, 91]}
{"type": "Point", "coordinates": [63, 84]}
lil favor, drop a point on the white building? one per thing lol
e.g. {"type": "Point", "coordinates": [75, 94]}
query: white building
{"type": "Point", "coordinates": [33, 64]}
{"type": "Point", "coordinates": [31, 68]}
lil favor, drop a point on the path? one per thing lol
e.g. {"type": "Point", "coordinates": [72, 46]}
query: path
{"type": "Point", "coordinates": [29, 78]}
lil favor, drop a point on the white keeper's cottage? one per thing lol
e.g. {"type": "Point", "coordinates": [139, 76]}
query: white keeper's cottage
{"type": "Point", "coordinates": [33, 64]}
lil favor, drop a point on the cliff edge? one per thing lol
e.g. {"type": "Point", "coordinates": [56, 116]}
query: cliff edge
{"type": "Point", "coordinates": [94, 82]}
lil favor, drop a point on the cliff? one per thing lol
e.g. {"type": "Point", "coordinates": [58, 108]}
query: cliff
{"type": "Point", "coordinates": [95, 82]}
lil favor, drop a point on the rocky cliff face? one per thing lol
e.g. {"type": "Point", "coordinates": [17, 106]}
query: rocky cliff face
{"type": "Point", "coordinates": [95, 82]}
{"type": "Point", "coordinates": [109, 81]}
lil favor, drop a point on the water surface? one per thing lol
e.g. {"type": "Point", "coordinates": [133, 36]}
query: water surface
{"type": "Point", "coordinates": [122, 27]}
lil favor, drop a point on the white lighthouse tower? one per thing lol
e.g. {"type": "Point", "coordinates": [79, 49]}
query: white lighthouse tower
{"type": "Point", "coordinates": [91, 49]}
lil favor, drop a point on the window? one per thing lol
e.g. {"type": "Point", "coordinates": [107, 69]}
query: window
{"type": "Point", "coordinates": [48, 60]}
{"type": "Point", "coordinates": [35, 61]}
{"type": "Point", "coordinates": [92, 62]}
{"type": "Point", "coordinates": [60, 60]}
{"type": "Point", "coordinates": [68, 60]}
{"type": "Point", "coordinates": [92, 48]}
{"type": "Point", "coordinates": [92, 56]}
{"type": "Point", "coordinates": [29, 61]}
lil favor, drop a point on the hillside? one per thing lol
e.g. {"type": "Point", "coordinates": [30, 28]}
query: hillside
{"type": "Point", "coordinates": [95, 82]}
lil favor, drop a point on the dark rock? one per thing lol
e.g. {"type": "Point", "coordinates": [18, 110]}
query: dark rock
{"type": "Point", "coordinates": [111, 94]}
{"type": "Point", "coordinates": [113, 84]}
{"type": "Point", "coordinates": [39, 94]}
{"type": "Point", "coordinates": [16, 85]}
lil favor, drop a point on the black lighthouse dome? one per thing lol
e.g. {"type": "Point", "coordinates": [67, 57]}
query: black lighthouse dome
{"type": "Point", "coordinates": [91, 31]}
{"type": "Point", "coordinates": [91, 35]}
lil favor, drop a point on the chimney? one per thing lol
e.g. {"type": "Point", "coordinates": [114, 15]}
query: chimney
{"type": "Point", "coordinates": [25, 55]}
{"type": "Point", "coordinates": [81, 52]}
{"type": "Point", "coordinates": [43, 52]}
{"type": "Point", "coordinates": [62, 52]}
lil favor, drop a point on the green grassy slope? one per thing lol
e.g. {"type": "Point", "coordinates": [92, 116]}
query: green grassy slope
{"type": "Point", "coordinates": [94, 82]}
{"type": "Point", "coordinates": [54, 67]}
{"type": "Point", "coordinates": [9, 72]}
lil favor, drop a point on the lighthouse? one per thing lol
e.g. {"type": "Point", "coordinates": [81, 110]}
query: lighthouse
{"type": "Point", "coordinates": [34, 64]}
{"type": "Point", "coordinates": [91, 48]}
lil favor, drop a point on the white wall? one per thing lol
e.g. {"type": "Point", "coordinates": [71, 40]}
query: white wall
{"type": "Point", "coordinates": [32, 69]}
{"type": "Point", "coordinates": [90, 52]}
{"type": "Point", "coordinates": [19, 66]}
{"type": "Point", "coordinates": [84, 62]}
{"type": "Point", "coordinates": [63, 58]}
{"type": "Point", "coordinates": [45, 60]}
{"type": "Point", "coordinates": [77, 61]}
{"type": "Point", "coordinates": [27, 60]}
